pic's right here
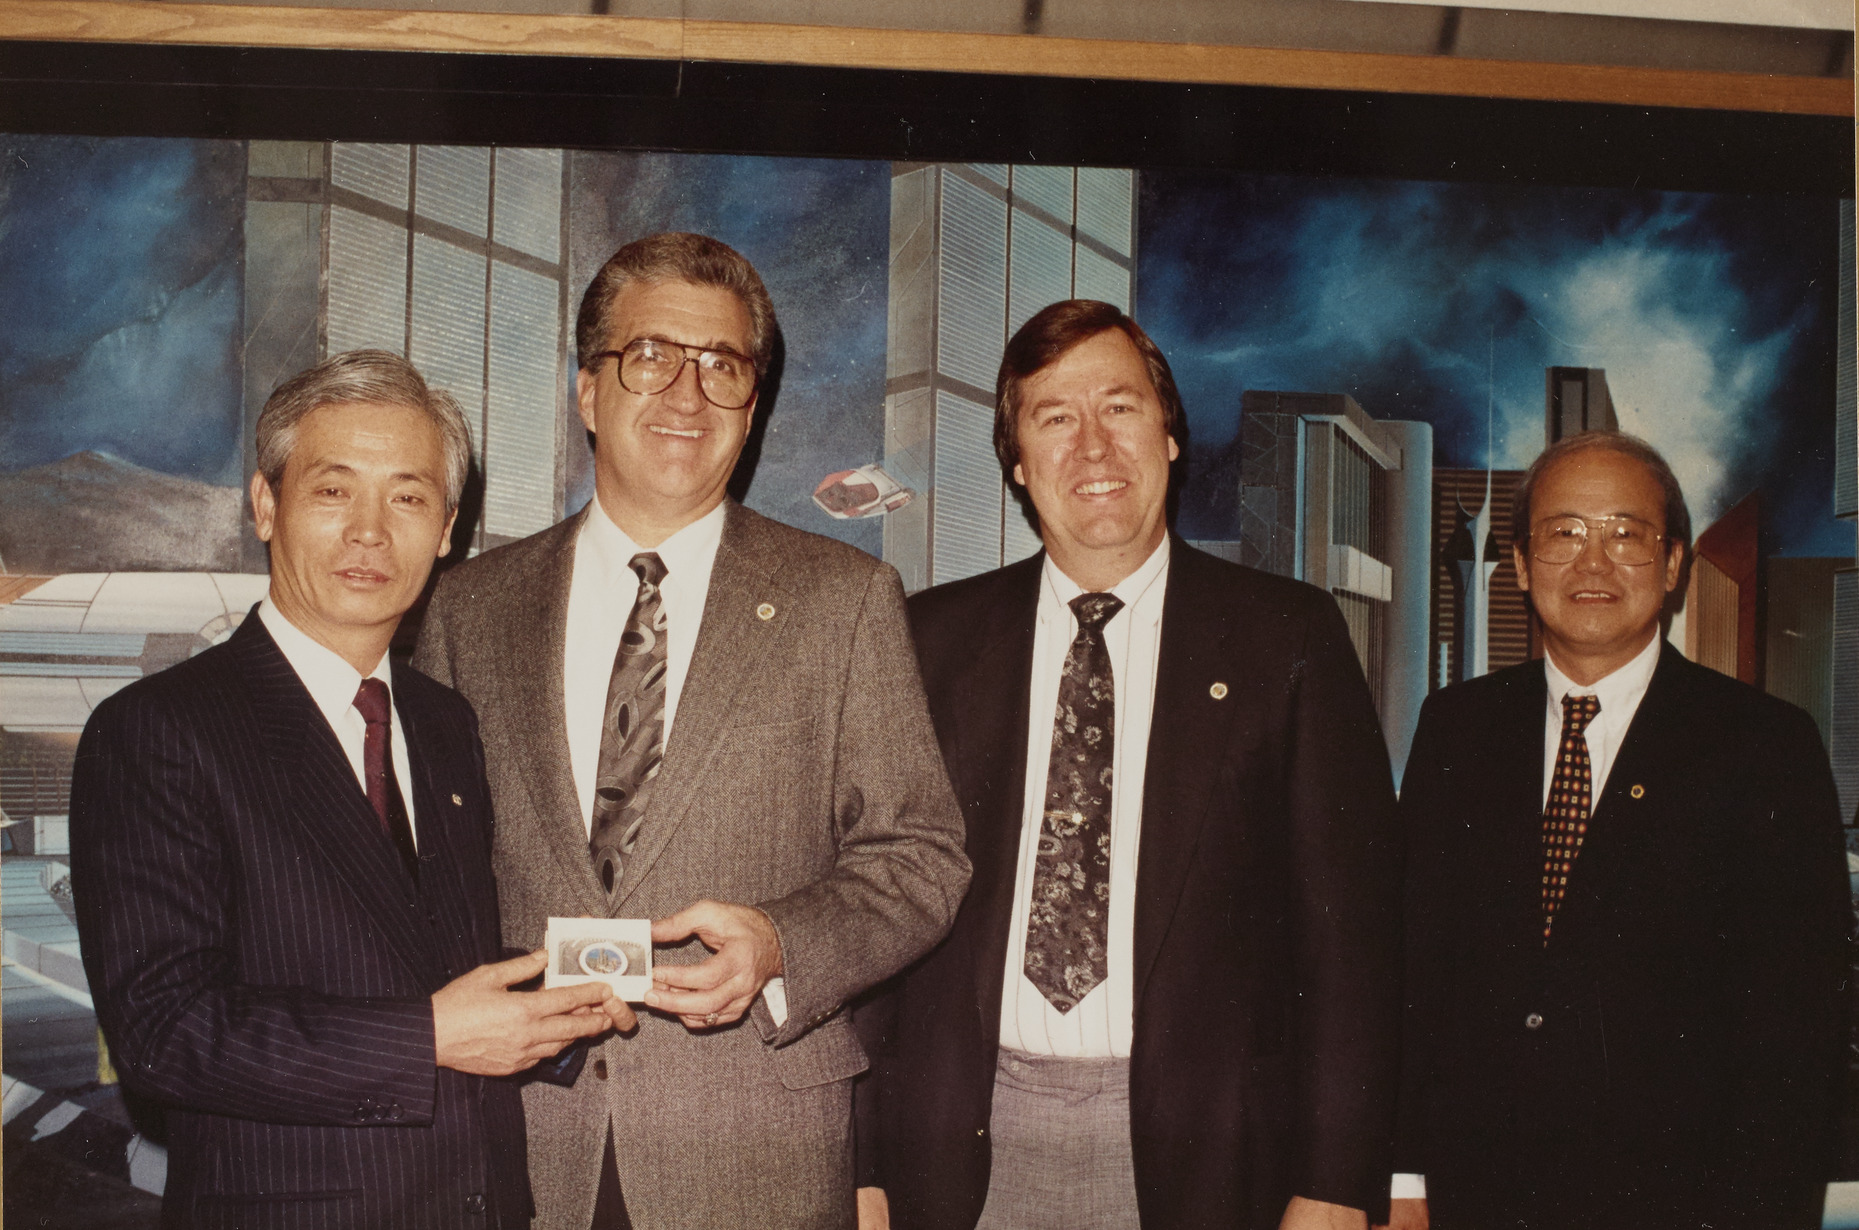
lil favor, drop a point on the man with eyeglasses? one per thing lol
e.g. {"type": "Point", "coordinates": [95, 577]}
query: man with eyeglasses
{"type": "Point", "coordinates": [696, 715]}
{"type": "Point", "coordinates": [1627, 904]}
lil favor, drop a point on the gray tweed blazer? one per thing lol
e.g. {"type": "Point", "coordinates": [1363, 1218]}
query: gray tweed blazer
{"type": "Point", "coordinates": [802, 776]}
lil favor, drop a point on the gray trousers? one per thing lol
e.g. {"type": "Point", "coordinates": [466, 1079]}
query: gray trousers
{"type": "Point", "coordinates": [1061, 1130]}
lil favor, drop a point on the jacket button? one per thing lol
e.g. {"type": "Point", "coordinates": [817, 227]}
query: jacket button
{"type": "Point", "coordinates": [474, 1203]}
{"type": "Point", "coordinates": [1533, 1021]}
{"type": "Point", "coordinates": [394, 1111]}
{"type": "Point", "coordinates": [600, 1069]}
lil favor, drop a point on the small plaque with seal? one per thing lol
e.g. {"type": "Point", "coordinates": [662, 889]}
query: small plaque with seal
{"type": "Point", "coordinates": [616, 951]}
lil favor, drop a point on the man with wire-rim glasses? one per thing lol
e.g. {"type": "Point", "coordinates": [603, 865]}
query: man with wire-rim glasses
{"type": "Point", "coordinates": [1627, 903]}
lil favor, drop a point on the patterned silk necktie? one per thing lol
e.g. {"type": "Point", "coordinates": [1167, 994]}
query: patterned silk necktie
{"type": "Point", "coordinates": [377, 763]}
{"type": "Point", "coordinates": [1565, 819]}
{"type": "Point", "coordinates": [632, 738]}
{"type": "Point", "coordinates": [1069, 923]}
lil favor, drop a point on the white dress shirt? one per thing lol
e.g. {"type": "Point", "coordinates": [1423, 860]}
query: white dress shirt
{"type": "Point", "coordinates": [1620, 694]}
{"type": "Point", "coordinates": [332, 684]}
{"type": "Point", "coordinates": [1101, 1024]}
{"type": "Point", "coordinates": [600, 597]}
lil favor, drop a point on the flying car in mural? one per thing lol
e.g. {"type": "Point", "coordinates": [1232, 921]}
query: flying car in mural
{"type": "Point", "coordinates": [865, 492]}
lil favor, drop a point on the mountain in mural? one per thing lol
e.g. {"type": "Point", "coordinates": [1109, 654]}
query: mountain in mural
{"type": "Point", "coordinates": [92, 512]}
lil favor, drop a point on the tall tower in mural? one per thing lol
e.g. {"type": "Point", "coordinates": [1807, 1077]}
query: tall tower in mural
{"type": "Point", "coordinates": [1474, 570]}
{"type": "Point", "coordinates": [1478, 562]}
{"type": "Point", "coordinates": [454, 256]}
{"type": "Point", "coordinates": [1576, 399]}
{"type": "Point", "coordinates": [976, 249]}
{"type": "Point", "coordinates": [1334, 496]}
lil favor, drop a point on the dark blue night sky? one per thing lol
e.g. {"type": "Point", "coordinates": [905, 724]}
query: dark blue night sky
{"type": "Point", "coordinates": [1714, 317]}
{"type": "Point", "coordinates": [121, 319]}
{"type": "Point", "coordinates": [818, 231]}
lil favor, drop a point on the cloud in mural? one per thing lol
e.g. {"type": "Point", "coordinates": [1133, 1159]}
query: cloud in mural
{"type": "Point", "coordinates": [121, 328]}
{"type": "Point", "coordinates": [1435, 302]}
{"type": "Point", "coordinates": [1687, 363]}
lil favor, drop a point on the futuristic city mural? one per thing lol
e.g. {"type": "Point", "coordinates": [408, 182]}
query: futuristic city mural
{"type": "Point", "coordinates": [1367, 366]}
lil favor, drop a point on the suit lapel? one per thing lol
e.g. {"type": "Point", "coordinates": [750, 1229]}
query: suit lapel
{"type": "Point", "coordinates": [992, 697]}
{"type": "Point", "coordinates": [322, 797]}
{"type": "Point", "coordinates": [1647, 750]}
{"type": "Point", "coordinates": [530, 681]}
{"type": "Point", "coordinates": [748, 614]}
{"type": "Point", "coordinates": [1188, 732]}
{"type": "Point", "coordinates": [1512, 840]}
{"type": "Point", "coordinates": [441, 876]}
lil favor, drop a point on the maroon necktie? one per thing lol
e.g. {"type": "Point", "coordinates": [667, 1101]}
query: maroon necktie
{"type": "Point", "coordinates": [1565, 819]}
{"type": "Point", "coordinates": [377, 760]}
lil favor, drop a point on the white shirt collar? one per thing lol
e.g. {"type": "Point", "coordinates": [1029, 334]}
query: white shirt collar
{"type": "Point", "coordinates": [1619, 691]}
{"type": "Point", "coordinates": [689, 550]}
{"type": "Point", "coordinates": [1130, 589]}
{"type": "Point", "coordinates": [331, 681]}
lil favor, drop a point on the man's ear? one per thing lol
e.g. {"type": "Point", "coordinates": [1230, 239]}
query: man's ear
{"type": "Point", "coordinates": [1019, 475]}
{"type": "Point", "coordinates": [1520, 563]}
{"type": "Point", "coordinates": [445, 536]}
{"type": "Point", "coordinates": [584, 396]}
{"type": "Point", "coordinates": [264, 507]}
{"type": "Point", "coordinates": [1674, 566]}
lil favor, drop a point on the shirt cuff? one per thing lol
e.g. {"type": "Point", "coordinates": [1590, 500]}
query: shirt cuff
{"type": "Point", "coordinates": [774, 994]}
{"type": "Point", "coordinates": [1408, 1187]}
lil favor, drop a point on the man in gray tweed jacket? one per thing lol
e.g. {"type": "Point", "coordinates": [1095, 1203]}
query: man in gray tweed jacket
{"type": "Point", "coordinates": [693, 714]}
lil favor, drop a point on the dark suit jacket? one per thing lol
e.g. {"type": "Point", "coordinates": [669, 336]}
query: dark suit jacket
{"type": "Point", "coordinates": [1267, 913]}
{"type": "Point", "coordinates": [1685, 1067]}
{"type": "Point", "coordinates": [263, 964]}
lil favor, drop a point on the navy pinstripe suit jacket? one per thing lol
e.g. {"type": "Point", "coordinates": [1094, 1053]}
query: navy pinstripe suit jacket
{"type": "Point", "coordinates": [262, 962]}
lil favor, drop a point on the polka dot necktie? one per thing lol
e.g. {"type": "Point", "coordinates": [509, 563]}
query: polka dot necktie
{"type": "Point", "coordinates": [1565, 819]}
{"type": "Point", "coordinates": [632, 735]}
{"type": "Point", "coordinates": [1068, 926]}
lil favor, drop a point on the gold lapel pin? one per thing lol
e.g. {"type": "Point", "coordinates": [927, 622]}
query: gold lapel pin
{"type": "Point", "coordinates": [1638, 791]}
{"type": "Point", "coordinates": [765, 612]}
{"type": "Point", "coordinates": [458, 800]}
{"type": "Point", "coordinates": [1217, 691]}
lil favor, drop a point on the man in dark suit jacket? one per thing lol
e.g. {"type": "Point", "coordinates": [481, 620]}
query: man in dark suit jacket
{"type": "Point", "coordinates": [1220, 1046]}
{"type": "Point", "coordinates": [281, 861]}
{"type": "Point", "coordinates": [1627, 904]}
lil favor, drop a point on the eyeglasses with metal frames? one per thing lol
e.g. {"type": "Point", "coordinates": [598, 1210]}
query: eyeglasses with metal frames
{"type": "Point", "coordinates": [648, 365]}
{"type": "Point", "coordinates": [1626, 540]}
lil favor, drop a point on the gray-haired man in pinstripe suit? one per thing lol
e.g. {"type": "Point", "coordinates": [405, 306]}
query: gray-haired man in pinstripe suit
{"type": "Point", "coordinates": [281, 855]}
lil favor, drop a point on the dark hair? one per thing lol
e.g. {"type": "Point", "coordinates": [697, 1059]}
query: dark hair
{"type": "Point", "coordinates": [1044, 340]}
{"type": "Point", "coordinates": [1677, 515]}
{"type": "Point", "coordinates": [376, 376]}
{"type": "Point", "coordinates": [675, 256]}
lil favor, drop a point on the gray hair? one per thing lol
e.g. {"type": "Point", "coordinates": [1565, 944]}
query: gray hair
{"type": "Point", "coordinates": [675, 256]}
{"type": "Point", "coordinates": [1677, 515]}
{"type": "Point", "coordinates": [377, 376]}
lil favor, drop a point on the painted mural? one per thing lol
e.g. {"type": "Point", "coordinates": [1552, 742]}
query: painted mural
{"type": "Point", "coordinates": [1367, 367]}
